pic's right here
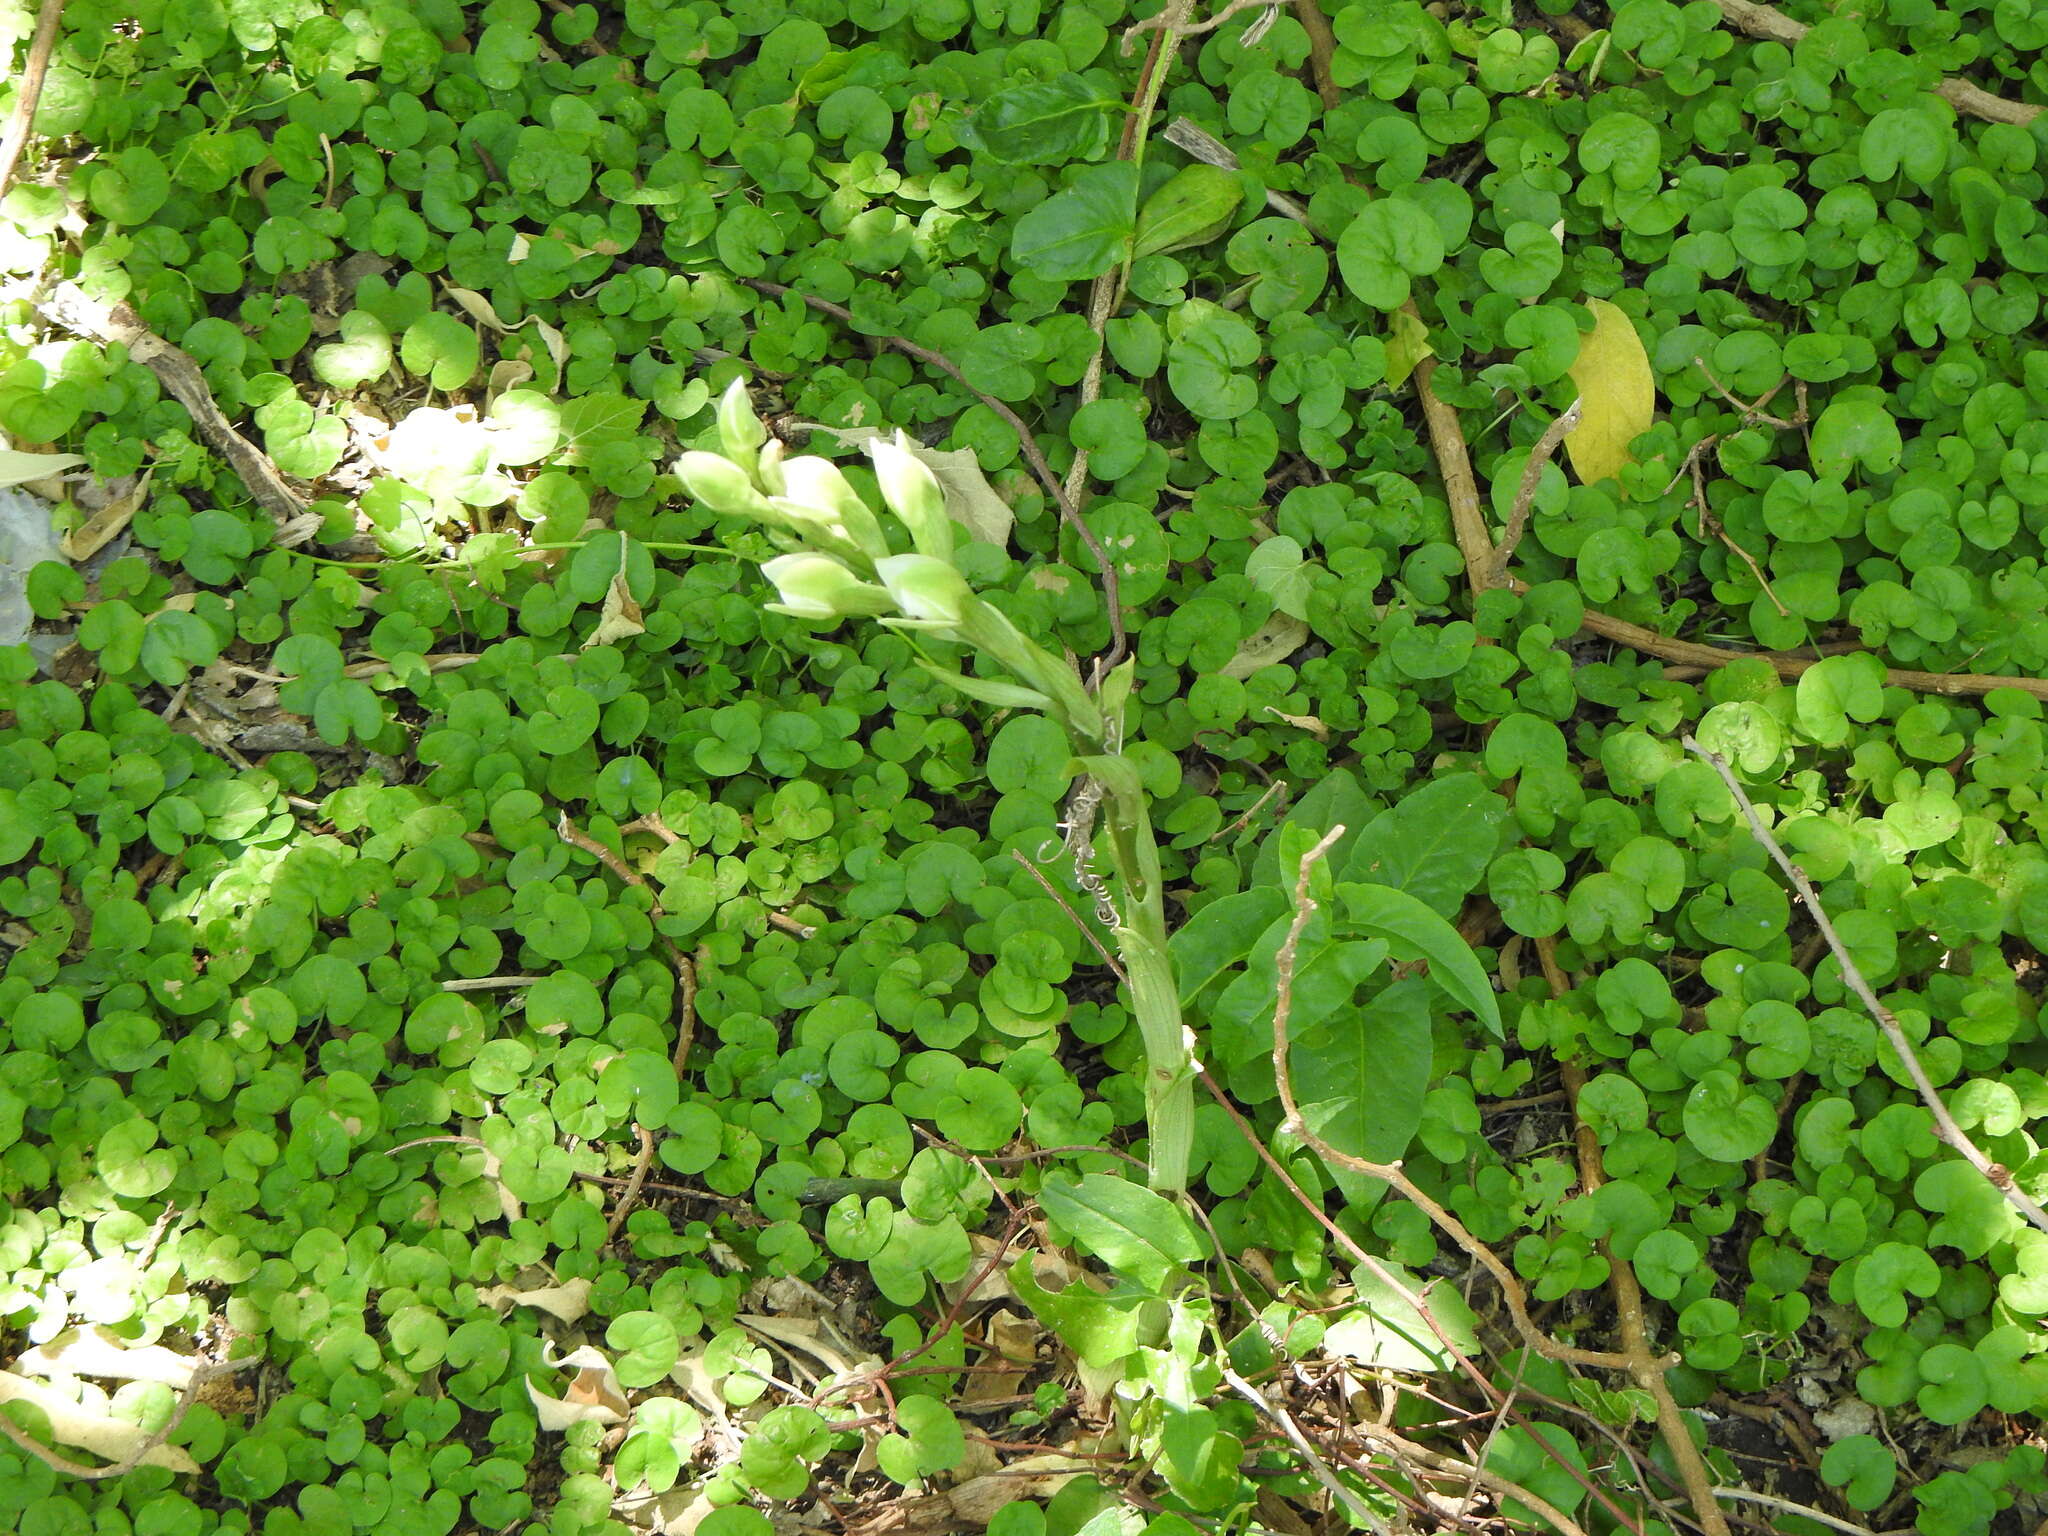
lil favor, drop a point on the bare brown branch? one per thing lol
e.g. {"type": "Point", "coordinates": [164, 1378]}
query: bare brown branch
{"type": "Point", "coordinates": [1648, 1366]}
{"type": "Point", "coordinates": [28, 91]}
{"type": "Point", "coordinates": [1525, 492]}
{"type": "Point", "coordinates": [202, 1373]}
{"type": "Point", "coordinates": [1974, 101]}
{"type": "Point", "coordinates": [1292, 1124]}
{"type": "Point", "coordinates": [77, 311]}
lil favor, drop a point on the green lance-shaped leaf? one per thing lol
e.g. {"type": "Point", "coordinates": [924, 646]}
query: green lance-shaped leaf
{"type": "Point", "coordinates": [1386, 913]}
{"type": "Point", "coordinates": [1137, 1232]}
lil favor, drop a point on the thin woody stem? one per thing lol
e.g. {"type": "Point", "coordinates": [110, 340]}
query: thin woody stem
{"type": "Point", "coordinates": [1945, 1127]}
{"type": "Point", "coordinates": [1292, 1124]}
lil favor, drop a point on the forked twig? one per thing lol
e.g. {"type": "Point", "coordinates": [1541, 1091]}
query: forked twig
{"type": "Point", "coordinates": [1525, 492]}
{"type": "Point", "coordinates": [1753, 413]}
{"type": "Point", "coordinates": [1408, 1293]}
{"type": "Point", "coordinates": [1695, 460]}
{"type": "Point", "coordinates": [202, 1373]}
{"type": "Point", "coordinates": [1158, 22]}
{"type": "Point", "coordinates": [1394, 1174]}
{"type": "Point", "coordinates": [1999, 1176]}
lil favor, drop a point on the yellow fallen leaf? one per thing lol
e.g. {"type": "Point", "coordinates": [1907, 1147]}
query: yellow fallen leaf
{"type": "Point", "coordinates": [1617, 395]}
{"type": "Point", "coordinates": [1407, 345]}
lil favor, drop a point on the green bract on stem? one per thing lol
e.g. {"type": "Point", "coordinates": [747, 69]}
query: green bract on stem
{"type": "Point", "coordinates": [839, 566]}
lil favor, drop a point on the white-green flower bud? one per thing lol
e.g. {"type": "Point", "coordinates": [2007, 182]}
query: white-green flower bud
{"type": "Point", "coordinates": [913, 494]}
{"type": "Point", "coordinates": [815, 586]}
{"type": "Point", "coordinates": [739, 429]}
{"type": "Point", "coordinates": [816, 482]}
{"type": "Point", "coordinates": [720, 484]}
{"type": "Point", "coordinates": [928, 591]}
{"type": "Point", "coordinates": [768, 467]}
{"type": "Point", "coordinates": [997, 638]}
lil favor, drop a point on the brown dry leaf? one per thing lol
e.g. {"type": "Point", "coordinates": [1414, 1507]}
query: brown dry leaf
{"type": "Point", "coordinates": [569, 1301]}
{"type": "Point", "coordinates": [89, 1426]}
{"type": "Point", "coordinates": [1013, 1335]}
{"type": "Point", "coordinates": [1282, 1516]}
{"type": "Point", "coordinates": [620, 618]}
{"type": "Point", "coordinates": [1617, 395]}
{"type": "Point", "coordinates": [807, 1335]}
{"type": "Point", "coordinates": [593, 1397]}
{"type": "Point", "coordinates": [1098, 1385]}
{"type": "Point", "coordinates": [553, 340]}
{"type": "Point", "coordinates": [479, 309]}
{"type": "Point", "coordinates": [1050, 1270]}
{"type": "Point", "coordinates": [507, 373]}
{"type": "Point", "coordinates": [100, 1352]}
{"type": "Point", "coordinates": [1309, 723]}
{"type": "Point", "coordinates": [978, 1500]}
{"type": "Point", "coordinates": [97, 531]}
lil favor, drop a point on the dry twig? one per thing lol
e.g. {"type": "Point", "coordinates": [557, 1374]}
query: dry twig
{"type": "Point", "coordinates": [1775, 26]}
{"type": "Point", "coordinates": [1695, 465]}
{"type": "Point", "coordinates": [1491, 1481]}
{"type": "Point", "coordinates": [686, 1007]}
{"type": "Point", "coordinates": [1454, 463]}
{"type": "Point", "coordinates": [1106, 292]}
{"type": "Point", "coordinates": [1360, 1511]}
{"type": "Point", "coordinates": [1690, 653]}
{"type": "Point", "coordinates": [1525, 491]}
{"type": "Point", "coordinates": [1707, 523]}
{"type": "Point", "coordinates": [28, 91]}
{"type": "Point", "coordinates": [1649, 1367]}
{"type": "Point", "coordinates": [1066, 906]}
{"type": "Point", "coordinates": [1945, 1127]}
{"type": "Point", "coordinates": [1292, 1124]}
{"type": "Point", "coordinates": [77, 311]}
{"type": "Point", "coordinates": [1786, 1506]}
{"type": "Point", "coordinates": [1159, 22]}
{"type": "Point", "coordinates": [202, 1373]}
{"type": "Point", "coordinates": [629, 1197]}
{"type": "Point", "coordinates": [1322, 46]}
